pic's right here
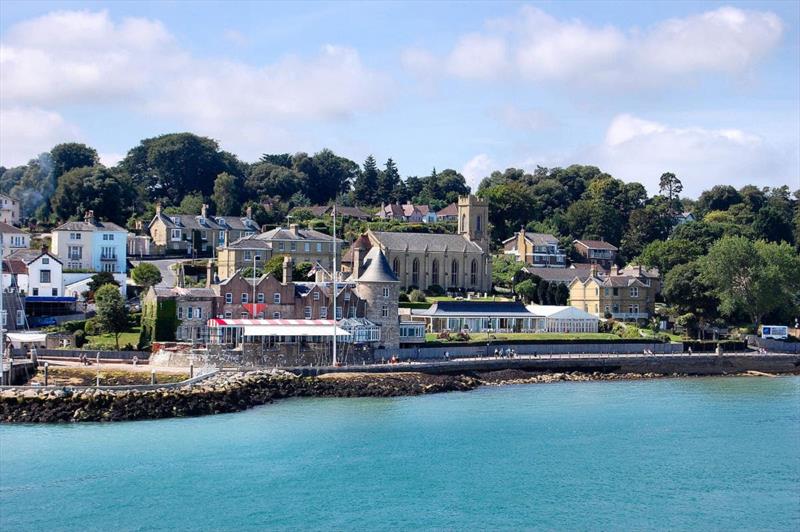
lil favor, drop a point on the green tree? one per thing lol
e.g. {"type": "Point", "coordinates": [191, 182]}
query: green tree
{"type": "Point", "coordinates": [644, 226]}
{"type": "Point", "coordinates": [101, 278]}
{"type": "Point", "coordinates": [108, 192]}
{"type": "Point", "coordinates": [666, 254]}
{"type": "Point", "coordinates": [527, 290]}
{"type": "Point", "coordinates": [685, 289]}
{"type": "Point", "coordinates": [190, 204]}
{"type": "Point", "coordinates": [170, 166]}
{"type": "Point", "coordinates": [774, 224]}
{"type": "Point", "coordinates": [510, 207]}
{"type": "Point", "coordinates": [267, 180]}
{"type": "Point", "coordinates": [755, 278]}
{"type": "Point", "coordinates": [388, 181]}
{"type": "Point", "coordinates": [112, 316]}
{"type": "Point", "coordinates": [71, 155]}
{"type": "Point", "coordinates": [365, 188]}
{"type": "Point", "coordinates": [146, 275]}
{"type": "Point", "coordinates": [326, 175]}
{"type": "Point", "coordinates": [670, 184]}
{"type": "Point", "coordinates": [719, 198]}
{"type": "Point", "coordinates": [228, 194]}
{"type": "Point", "coordinates": [506, 271]}
{"type": "Point", "coordinates": [594, 219]}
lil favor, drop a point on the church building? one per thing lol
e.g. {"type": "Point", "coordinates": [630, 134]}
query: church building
{"type": "Point", "coordinates": [456, 262]}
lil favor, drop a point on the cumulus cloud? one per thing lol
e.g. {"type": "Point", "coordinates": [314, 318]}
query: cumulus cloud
{"type": "Point", "coordinates": [636, 149]}
{"type": "Point", "coordinates": [77, 57]}
{"type": "Point", "coordinates": [537, 47]}
{"type": "Point", "coordinates": [476, 169]}
{"type": "Point", "coordinates": [28, 131]}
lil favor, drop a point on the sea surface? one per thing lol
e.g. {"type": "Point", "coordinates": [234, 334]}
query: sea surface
{"type": "Point", "coordinates": [678, 454]}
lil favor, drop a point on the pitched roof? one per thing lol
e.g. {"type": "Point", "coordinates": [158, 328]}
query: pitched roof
{"type": "Point", "coordinates": [376, 268]}
{"type": "Point", "coordinates": [475, 308]}
{"type": "Point", "coordinates": [192, 221]}
{"type": "Point", "coordinates": [425, 241]}
{"type": "Point", "coordinates": [562, 312]}
{"type": "Point", "coordinates": [29, 255]}
{"type": "Point", "coordinates": [86, 226]}
{"type": "Point", "coordinates": [597, 244]}
{"type": "Point", "coordinates": [248, 242]}
{"type": "Point", "coordinates": [450, 210]}
{"type": "Point", "coordinates": [560, 275]}
{"type": "Point", "coordinates": [14, 266]}
{"type": "Point", "coordinates": [279, 233]}
{"type": "Point", "coordinates": [6, 228]}
{"type": "Point", "coordinates": [537, 239]}
{"type": "Point", "coordinates": [162, 291]}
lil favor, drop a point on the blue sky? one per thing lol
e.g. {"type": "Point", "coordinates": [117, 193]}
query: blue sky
{"type": "Point", "coordinates": [710, 91]}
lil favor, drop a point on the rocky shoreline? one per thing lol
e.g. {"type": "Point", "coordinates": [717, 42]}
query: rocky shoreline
{"type": "Point", "coordinates": [234, 392]}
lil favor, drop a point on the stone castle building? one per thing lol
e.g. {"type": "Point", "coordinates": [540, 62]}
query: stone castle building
{"type": "Point", "coordinates": [456, 262]}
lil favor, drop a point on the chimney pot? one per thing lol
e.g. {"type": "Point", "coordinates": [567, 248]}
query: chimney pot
{"type": "Point", "coordinates": [204, 210]}
{"type": "Point", "coordinates": [249, 213]}
{"type": "Point", "coordinates": [287, 270]}
{"type": "Point", "coordinates": [294, 229]}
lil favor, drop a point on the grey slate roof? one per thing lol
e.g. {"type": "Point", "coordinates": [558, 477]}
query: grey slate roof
{"type": "Point", "coordinates": [559, 275]}
{"type": "Point", "coordinates": [425, 242]}
{"type": "Point", "coordinates": [165, 292]}
{"type": "Point", "coordinates": [85, 226]}
{"type": "Point", "coordinates": [597, 244]}
{"type": "Point", "coordinates": [279, 233]}
{"type": "Point", "coordinates": [249, 242]}
{"type": "Point", "coordinates": [6, 228]}
{"type": "Point", "coordinates": [192, 221]}
{"type": "Point", "coordinates": [377, 269]}
{"type": "Point", "coordinates": [476, 309]}
{"type": "Point", "coordinates": [29, 255]}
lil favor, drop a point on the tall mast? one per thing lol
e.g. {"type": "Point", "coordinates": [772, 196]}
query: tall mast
{"type": "Point", "coordinates": [333, 247]}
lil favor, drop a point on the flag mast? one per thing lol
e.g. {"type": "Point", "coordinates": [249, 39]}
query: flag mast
{"type": "Point", "coordinates": [333, 247]}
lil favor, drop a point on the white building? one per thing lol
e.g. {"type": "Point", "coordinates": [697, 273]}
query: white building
{"type": "Point", "coordinates": [92, 246]}
{"type": "Point", "coordinates": [9, 210]}
{"type": "Point", "coordinates": [13, 239]}
{"type": "Point", "coordinates": [37, 273]}
{"type": "Point", "coordinates": [563, 319]}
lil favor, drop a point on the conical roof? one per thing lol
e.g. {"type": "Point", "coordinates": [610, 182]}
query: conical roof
{"type": "Point", "coordinates": [376, 268]}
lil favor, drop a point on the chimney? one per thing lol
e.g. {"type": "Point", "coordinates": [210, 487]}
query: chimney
{"type": "Point", "coordinates": [158, 208]}
{"type": "Point", "coordinates": [593, 270]}
{"type": "Point", "coordinates": [138, 225]}
{"type": "Point", "coordinates": [358, 259]}
{"type": "Point", "coordinates": [225, 239]}
{"type": "Point", "coordinates": [249, 213]}
{"type": "Point", "coordinates": [44, 248]}
{"type": "Point", "coordinates": [294, 229]}
{"type": "Point", "coordinates": [287, 270]}
{"type": "Point", "coordinates": [209, 274]}
{"type": "Point", "coordinates": [204, 210]}
{"type": "Point", "coordinates": [89, 217]}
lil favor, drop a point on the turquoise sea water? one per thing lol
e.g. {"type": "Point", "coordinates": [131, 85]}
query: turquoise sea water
{"type": "Point", "coordinates": [683, 454]}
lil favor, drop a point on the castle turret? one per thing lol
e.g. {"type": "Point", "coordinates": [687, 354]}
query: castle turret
{"type": "Point", "coordinates": [379, 287]}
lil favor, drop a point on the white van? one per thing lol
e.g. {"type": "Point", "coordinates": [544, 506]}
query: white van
{"type": "Point", "coordinates": [776, 332]}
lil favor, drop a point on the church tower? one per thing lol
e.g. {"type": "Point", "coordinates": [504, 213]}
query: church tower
{"type": "Point", "coordinates": [473, 219]}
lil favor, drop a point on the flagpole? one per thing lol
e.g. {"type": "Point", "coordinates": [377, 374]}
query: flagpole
{"type": "Point", "coordinates": [333, 247]}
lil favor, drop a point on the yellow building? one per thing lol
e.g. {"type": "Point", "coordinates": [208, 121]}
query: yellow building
{"type": "Point", "coordinates": [536, 249]}
{"type": "Point", "coordinates": [623, 297]}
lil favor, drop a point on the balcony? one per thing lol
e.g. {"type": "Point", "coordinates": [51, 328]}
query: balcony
{"type": "Point", "coordinates": [625, 316]}
{"type": "Point", "coordinates": [108, 258]}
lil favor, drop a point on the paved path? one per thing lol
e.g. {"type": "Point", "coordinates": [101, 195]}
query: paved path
{"type": "Point", "coordinates": [163, 265]}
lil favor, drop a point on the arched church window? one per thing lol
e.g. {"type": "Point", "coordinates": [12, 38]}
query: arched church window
{"type": "Point", "coordinates": [473, 273]}
{"type": "Point", "coordinates": [415, 272]}
{"type": "Point", "coordinates": [435, 272]}
{"type": "Point", "coordinates": [454, 274]}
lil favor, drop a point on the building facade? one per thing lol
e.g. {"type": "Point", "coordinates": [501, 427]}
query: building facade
{"type": "Point", "coordinates": [36, 273]}
{"type": "Point", "coordinates": [620, 297]}
{"type": "Point", "coordinates": [92, 246]}
{"type": "Point", "coordinates": [9, 210]}
{"type": "Point", "coordinates": [198, 233]}
{"type": "Point", "coordinates": [246, 251]}
{"type": "Point", "coordinates": [457, 263]}
{"type": "Point", "coordinates": [596, 252]}
{"type": "Point", "coordinates": [13, 239]}
{"type": "Point", "coordinates": [178, 314]}
{"type": "Point", "coordinates": [540, 250]}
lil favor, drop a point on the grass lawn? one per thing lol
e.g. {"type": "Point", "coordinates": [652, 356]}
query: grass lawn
{"type": "Point", "coordinates": [106, 341]}
{"type": "Point", "coordinates": [480, 338]}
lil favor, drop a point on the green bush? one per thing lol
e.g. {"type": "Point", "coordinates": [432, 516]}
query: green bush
{"type": "Point", "coordinates": [80, 338]}
{"type": "Point", "coordinates": [91, 327]}
{"type": "Point", "coordinates": [73, 326]}
{"type": "Point", "coordinates": [403, 298]}
{"type": "Point", "coordinates": [435, 290]}
{"type": "Point", "coordinates": [417, 296]}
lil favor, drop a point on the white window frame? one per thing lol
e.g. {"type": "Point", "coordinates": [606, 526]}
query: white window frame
{"type": "Point", "coordinates": [276, 298]}
{"type": "Point", "coordinates": [228, 298]}
{"type": "Point", "coordinates": [307, 313]}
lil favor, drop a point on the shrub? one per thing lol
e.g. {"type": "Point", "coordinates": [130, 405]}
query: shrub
{"type": "Point", "coordinates": [91, 327]}
{"type": "Point", "coordinates": [417, 296]}
{"type": "Point", "coordinates": [80, 338]}
{"type": "Point", "coordinates": [403, 298]}
{"type": "Point", "coordinates": [128, 347]}
{"type": "Point", "coordinates": [435, 290]}
{"type": "Point", "coordinates": [73, 326]}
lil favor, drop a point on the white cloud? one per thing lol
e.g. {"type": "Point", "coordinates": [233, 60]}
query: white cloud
{"type": "Point", "coordinates": [640, 150]}
{"type": "Point", "coordinates": [476, 169]}
{"type": "Point", "coordinates": [26, 132]}
{"type": "Point", "coordinates": [110, 159]}
{"type": "Point", "coordinates": [235, 37]}
{"type": "Point", "coordinates": [537, 47]}
{"type": "Point", "coordinates": [81, 57]}
{"type": "Point", "coordinates": [478, 56]}
{"type": "Point", "coordinates": [526, 119]}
